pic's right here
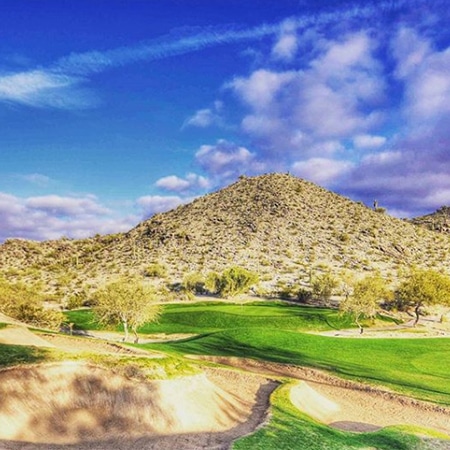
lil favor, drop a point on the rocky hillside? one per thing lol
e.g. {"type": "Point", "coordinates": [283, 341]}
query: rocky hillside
{"type": "Point", "coordinates": [281, 226]}
{"type": "Point", "coordinates": [437, 221]}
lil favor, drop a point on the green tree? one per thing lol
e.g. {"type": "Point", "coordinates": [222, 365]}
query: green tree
{"type": "Point", "coordinates": [364, 301]}
{"type": "Point", "coordinates": [232, 282]}
{"type": "Point", "coordinates": [128, 302]}
{"type": "Point", "coordinates": [423, 287]}
{"type": "Point", "coordinates": [193, 283]}
{"type": "Point", "coordinates": [25, 304]}
{"type": "Point", "coordinates": [323, 286]}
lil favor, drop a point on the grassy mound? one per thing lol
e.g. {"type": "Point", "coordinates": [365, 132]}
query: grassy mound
{"type": "Point", "coordinates": [208, 317]}
{"type": "Point", "coordinates": [289, 428]}
{"type": "Point", "coordinates": [417, 367]}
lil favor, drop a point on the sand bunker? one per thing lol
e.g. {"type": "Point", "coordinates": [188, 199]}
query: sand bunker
{"type": "Point", "coordinates": [75, 403]}
{"type": "Point", "coordinates": [20, 335]}
{"type": "Point", "coordinates": [347, 405]}
{"type": "Point", "coordinates": [314, 404]}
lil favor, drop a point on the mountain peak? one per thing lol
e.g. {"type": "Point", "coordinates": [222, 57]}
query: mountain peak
{"type": "Point", "coordinates": [280, 226]}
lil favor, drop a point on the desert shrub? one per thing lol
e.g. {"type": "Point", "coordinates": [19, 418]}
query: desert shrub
{"type": "Point", "coordinates": [22, 303]}
{"type": "Point", "coordinates": [194, 283]}
{"type": "Point", "coordinates": [155, 270]}
{"type": "Point", "coordinates": [286, 291]}
{"type": "Point", "coordinates": [323, 286]}
{"type": "Point", "coordinates": [212, 282]}
{"type": "Point", "coordinates": [78, 300]}
{"type": "Point", "coordinates": [231, 282]}
{"type": "Point", "coordinates": [364, 301]}
{"type": "Point", "coordinates": [304, 295]}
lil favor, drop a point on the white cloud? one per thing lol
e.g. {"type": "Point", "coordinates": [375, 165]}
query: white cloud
{"type": "Point", "coordinates": [260, 89]}
{"type": "Point", "coordinates": [57, 85]}
{"type": "Point", "coordinates": [326, 148]}
{"type": "Point", "coordinates": [383, 158]}
{"type": "Point", "coordinates": [153, 204]}
{"type": "Point", "coordinates": [176, 184]}
{"type": "Point", "coordinates": [206, 117]}
{"type": "Point", "coordinates": [337, 96]}
{"type": "Point", "coordinates": [202, 118]}
{"type": "Point", "coordinates": [410, 51]}
{"type": "Point", "coordinates": [367, 141]}
{"type": "Point", "coordinates": [225, 160]}
{"type": "Point", "coordinates": [425, 73]}
{"type": "Point", "coordinates": [40, 88]}
{"type": "Point", "coordinates": [322, 171]}
{"type": "Point", "coordinates": [66, 206]}
{"type": "Point", "coordinates": [286, 45]}
{"type": "Point", "coordinates": [51, 217]}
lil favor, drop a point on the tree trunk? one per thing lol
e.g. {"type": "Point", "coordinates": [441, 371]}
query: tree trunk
{"type": "Point", "coordinates": [125, 330]}
{"type": "Point", "coordinates": [417, 313]}
{"type": "Point", "coordinates": [361, 329]}
{"type": "Point", "coordinates": [136, 337]}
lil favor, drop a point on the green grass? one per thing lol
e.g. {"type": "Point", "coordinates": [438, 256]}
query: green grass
{"type": "Point", "coordinates": [216, 316]}
{"type": "Point", "coordinates": [144, 368]}
{"type": "Point", "coordinates": [84, 319]}
{"type": "Point", "coordinates": [416, 367]}
{"type": "Point", "coordinates": [289, 428]}
{"type": "Point", "coordinates": [140, 367]}
{"type": "Point", "coordinates": [11, 355]}
{"type": "Point", "coordinates": [272, 331]}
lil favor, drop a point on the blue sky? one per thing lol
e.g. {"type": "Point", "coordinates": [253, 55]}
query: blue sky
{"type": "Point", "coordinates": [113, 110]}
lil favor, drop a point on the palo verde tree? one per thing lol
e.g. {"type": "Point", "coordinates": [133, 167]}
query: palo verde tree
{"type": "Point", "coordinates": [423, 287]}
{"type": "Point", "coordinates": [365, 299]}
{"type": "Point", "coordinates": [127, 302]}
{"type": "Point", "coordinates": [323, 286]}
{"type": "Point", "coordinates": [231, 282]}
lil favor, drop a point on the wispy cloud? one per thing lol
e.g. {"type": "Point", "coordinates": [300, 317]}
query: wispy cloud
{"type": "Point", "coordinates": [61, 84]}
{"type": "Point", "coordinates": [37, 179]}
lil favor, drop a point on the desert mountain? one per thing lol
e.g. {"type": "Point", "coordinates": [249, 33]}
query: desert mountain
{"type": "Point", "coordinates": [278, 225]}
{"type": "Point", "coordinates": [437, 221]}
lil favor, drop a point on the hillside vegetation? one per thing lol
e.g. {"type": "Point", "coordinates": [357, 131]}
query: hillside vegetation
{"type": "Point", "coordinates": [437, 221]}
{"type": "Point", "coordinates": [277, 225]}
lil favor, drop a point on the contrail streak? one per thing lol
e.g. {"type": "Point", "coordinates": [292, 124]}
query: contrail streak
{"type": "Point", "coordinates": [178, 43]}
{"type": "Point", "coordinates": [58, 84]}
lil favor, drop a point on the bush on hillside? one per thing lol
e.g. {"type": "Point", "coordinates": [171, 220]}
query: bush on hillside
{"type": "Point", "coordinates": [156, 270]}
{"type": "Point", "coordinates": [323, 286]}
{"type": "Point", "coordinates": [22, 303]}
{"type": "Point", "coordinates": [194, 283]}
{"type": "Point", "coordinates": [232, 282]}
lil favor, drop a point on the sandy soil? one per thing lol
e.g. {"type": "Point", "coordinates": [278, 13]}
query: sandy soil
{"type": "Point", "coordinates": [78, 406]}
{"type": "Point", "coordinates": [19, 335]}
{"type": "Point", "coordinates": [348, 405]}
{"type": "Point", "coordinates": [74, 405]}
